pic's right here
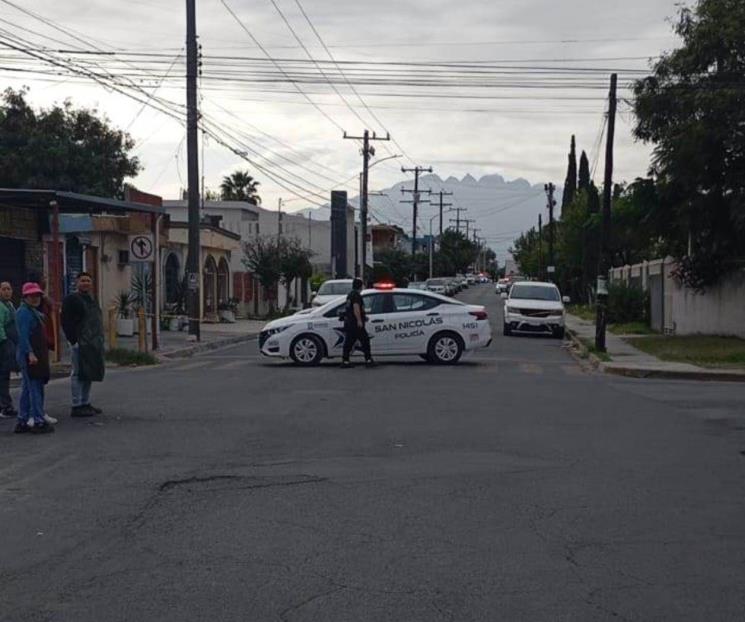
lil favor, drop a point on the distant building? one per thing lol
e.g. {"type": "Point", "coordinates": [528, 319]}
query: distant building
{"type": "Point", "coordinates": [387, 237]}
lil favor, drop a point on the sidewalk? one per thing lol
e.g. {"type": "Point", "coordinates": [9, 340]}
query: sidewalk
{"type": "Point", "coordinates": [177, 344]}
{"type": "Point", "coordinates": [626, 360]}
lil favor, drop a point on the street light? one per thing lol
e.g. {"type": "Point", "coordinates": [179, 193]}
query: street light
{"type": "Point", "coordinates": [391, 157]}
{"type": "Point", "coordinates": [431, 239]}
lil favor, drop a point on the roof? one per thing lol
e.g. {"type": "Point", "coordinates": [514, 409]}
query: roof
{"type": "Point", "coordinates": [536, 283]}
{"type": "Point", "coordinates": [71, 202]}
{"type": "Point", "coordinates": [207, 227]}
{"type": "Point", "coordinates": [215, 205]}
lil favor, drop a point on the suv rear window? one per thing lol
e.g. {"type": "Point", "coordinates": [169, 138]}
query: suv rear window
{"type": "Point", "coordinates": [335, 289]}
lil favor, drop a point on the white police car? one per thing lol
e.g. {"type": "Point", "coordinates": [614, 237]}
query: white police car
{"type": "Point", "coordinates": [399, 321]}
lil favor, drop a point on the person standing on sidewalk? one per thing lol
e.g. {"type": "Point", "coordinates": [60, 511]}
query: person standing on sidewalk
{"type": "Point", "coordinates": [354, 326]}
{"type": "Point", "coordinates": [82, 323]}
{"type": "Point", "coordinates": [32, 356]}
{"type": "Point", "coordinates": [8, 346]}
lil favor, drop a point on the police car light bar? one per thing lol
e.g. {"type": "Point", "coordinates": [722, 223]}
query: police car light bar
{"type": "Point", "coordinates": [384, 285]}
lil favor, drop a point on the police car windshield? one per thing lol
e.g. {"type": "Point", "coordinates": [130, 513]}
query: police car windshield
{"type": "Point", "coordinates": [534, 292]}
{"type": "Point", "coordinates": [335, 289]}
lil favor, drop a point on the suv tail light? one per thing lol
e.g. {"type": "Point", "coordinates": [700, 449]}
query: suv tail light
{"type": "Point", "coordinates": [479, 315]}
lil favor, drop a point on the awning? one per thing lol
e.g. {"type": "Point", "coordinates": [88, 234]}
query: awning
{"type": "Point", "coordinates": [71, 202]}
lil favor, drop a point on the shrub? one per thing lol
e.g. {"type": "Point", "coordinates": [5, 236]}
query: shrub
{"type": "Point", "coordinates": [627, 304]}
{"type": "Point", "coordinates": [130, 358]}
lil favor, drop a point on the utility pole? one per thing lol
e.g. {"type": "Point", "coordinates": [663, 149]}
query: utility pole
{"type": "Point", "coordinates": [417, 170]}
{"type": "Point", "coordinates": [367, 151]}
{"type": "Point", "coordinates": [442, 194]}
{"type": "Point", "coordinates": [477, 242]}
{"type": "Point", "coordinates": [604, 263]}
{"type": "Point", "coordinates": [459, 220]}
{"type": "Point", "coordinates": [550, 189]}
{"type": "Point", "coordinates": [468, 221]}
{"type": "Point", "coordinates": [310, 230]}
{"type": "Point", "coordinates": [192, 146]}
{"type": "Point", "coordinates": [540, 246]}
{"type": "Point", "coordinates": [279, 221]}
{"type": "Point", "coordinates": [458, 210]}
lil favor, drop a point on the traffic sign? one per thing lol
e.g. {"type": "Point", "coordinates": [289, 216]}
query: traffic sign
{"type": "Point", "coordinates": [193, 281]}
{"type": "Point", "coordinates": [141, 248]}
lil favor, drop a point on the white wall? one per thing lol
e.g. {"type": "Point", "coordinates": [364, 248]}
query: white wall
{"type": "Point", "coordinates": [718, 311]}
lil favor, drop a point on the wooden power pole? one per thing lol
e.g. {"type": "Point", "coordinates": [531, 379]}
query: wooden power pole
{"type": "Point", "coordinates": [605, 261]}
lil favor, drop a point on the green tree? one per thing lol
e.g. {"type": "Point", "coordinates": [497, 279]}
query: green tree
{"type": "Point", "coordinates": [457, 251]}
{"type": "Point", "coordinates": [584, 180]}
{"type": "Point", "coordinates": [261, 256]}
{"type": "Point", "coordinates": [63, 148]}
{"type": "Point", "coordinates": [692, 110]}
{"type": "Point", "coordinates": [570, 184]}
{"type": "Point", "coordinates": [240, 186]}
{"type": "Point", "coordinates": [294, 263]}
{"type": "Point", "coordinates": [392, 264]}
{"type": "Point", "coordinates": [527, 250]}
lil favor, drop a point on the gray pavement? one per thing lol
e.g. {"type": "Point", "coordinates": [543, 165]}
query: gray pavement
{"type": "Point", "coordinates": [514, 486]}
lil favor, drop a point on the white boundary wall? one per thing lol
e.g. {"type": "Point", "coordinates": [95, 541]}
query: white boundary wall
{"type": "Point", "coordinates": [720, 310]}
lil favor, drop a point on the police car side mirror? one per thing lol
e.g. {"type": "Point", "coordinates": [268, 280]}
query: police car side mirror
{"type": "Point", "coordinates": [313, 295]}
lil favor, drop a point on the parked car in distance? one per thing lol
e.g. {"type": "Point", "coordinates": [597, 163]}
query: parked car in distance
{"type": "Point", "coordinates": [438, 286]}
{"type": "Point", "coordinates": [502, 286]}
{"type": "Point", "coordinates": [330, 290]}
{"type": "Point", "coordinates": [535, 307]}
{"type": "Point", "coordinates": [417, 285]}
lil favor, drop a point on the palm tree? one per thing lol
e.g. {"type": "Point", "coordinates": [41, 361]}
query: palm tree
{"type": "Point", "coordinates": [240, 186]}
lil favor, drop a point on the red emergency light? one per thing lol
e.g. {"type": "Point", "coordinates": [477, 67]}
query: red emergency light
{"type": "Point", "coordinates": [384, 285]}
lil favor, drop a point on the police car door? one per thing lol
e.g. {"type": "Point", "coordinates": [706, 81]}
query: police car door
{"type": "Point", "coordinates": [407, 330]}
{"type": "Point", "coordinates": [378, 308]}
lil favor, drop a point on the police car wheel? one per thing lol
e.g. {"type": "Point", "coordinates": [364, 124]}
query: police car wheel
{"type": "Point", "coordinates": [445, 349]}
{"type": "Point", "coordinates": [306, 350]}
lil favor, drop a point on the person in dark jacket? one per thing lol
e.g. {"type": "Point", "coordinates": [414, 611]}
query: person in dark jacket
{"type": "Point", "coordinates": [354, 326]}
{"type": "Point", "coordinates": [8, 345]}
{"type": "Point", "coordinates": [82, 323]}
{"type": "Point", "coordinates": [32, 356]}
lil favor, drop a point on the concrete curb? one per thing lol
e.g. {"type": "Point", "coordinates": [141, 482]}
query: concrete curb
{"type": "Point", "coordinates": [614, 369]}
{"type": "Point", "coordinates": [584, 356]}
{"type": "Point", "coordinates": [206, 346]}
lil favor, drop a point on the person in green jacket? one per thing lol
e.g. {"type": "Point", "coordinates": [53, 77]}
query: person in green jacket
{"type": "Point", "coordinates": [8, 345]}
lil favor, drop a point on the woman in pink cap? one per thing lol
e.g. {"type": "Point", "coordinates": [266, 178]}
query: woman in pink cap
{"type": "Point", "coordinates": [33, 359]}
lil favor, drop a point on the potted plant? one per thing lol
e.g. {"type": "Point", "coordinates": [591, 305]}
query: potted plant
{"type": "Point", "coordinates": [227, 310]}
{"type": "Point", "coordinates": [125, 324]}
{"type": "Point", "coordinates": [141, 297]}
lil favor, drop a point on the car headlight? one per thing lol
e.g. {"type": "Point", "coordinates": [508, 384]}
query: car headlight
{"type": "Point", "coordinates": [275, 331]}
{"type": "Point", "coordinates": [513, 310]}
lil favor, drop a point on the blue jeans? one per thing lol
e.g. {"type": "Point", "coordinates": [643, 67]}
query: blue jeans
{"type": "Point", "coordinates": [81, 389]}
{"type": "Point", "coordinates": [31, 404]}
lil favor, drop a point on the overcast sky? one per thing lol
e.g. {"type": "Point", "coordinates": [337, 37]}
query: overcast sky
{"type": "Point", "coordinates": [513, 132]}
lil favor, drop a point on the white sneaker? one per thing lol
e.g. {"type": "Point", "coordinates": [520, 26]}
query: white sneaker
{"type": "Point", "coordinates": [49, 420]}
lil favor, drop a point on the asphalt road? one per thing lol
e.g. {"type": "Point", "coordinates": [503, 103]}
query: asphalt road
{"type": "Point", "coordinates": [515, 486]}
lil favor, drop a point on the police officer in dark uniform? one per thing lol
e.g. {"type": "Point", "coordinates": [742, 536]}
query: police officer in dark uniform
{"type": "Point", "coordinates": [354, 326]}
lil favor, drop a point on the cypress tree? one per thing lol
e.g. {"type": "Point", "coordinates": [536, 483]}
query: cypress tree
{"type": "Point", "coordinates": [570, 184]}
{"type": "Point", "coordinates": [584, 172]}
